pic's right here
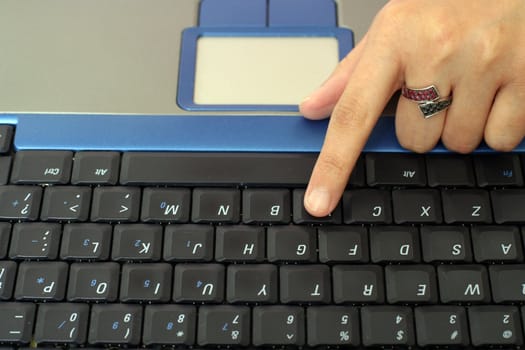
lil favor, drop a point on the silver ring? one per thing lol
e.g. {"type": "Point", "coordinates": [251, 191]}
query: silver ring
{"type": "Point", "coordinates": [431, 108]}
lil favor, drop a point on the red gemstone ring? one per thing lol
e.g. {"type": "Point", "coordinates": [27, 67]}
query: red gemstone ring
{"type": "Point", "coordinates": [427, 94]}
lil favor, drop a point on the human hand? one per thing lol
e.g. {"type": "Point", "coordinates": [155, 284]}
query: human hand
{"type": "Point", "coordinates": [470, 49]}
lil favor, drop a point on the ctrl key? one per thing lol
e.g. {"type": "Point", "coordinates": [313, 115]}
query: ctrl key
{"type": "Point", "coordinates": [17, 322]}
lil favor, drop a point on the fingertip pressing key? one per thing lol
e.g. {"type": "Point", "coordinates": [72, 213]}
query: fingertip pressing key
{"type": "Point", "coordinates": [318, 201]}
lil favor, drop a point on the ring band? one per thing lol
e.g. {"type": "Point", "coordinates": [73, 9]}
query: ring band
{"type": "Point", "coordinates": [432, 108]}
{"type": "Point", "coordinates": [428, 99]}
{"type": "Point", "coordinates": [429, 93]}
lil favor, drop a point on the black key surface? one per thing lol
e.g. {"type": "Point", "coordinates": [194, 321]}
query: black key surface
{"type": "Point", "coordinates": [395, 169]}
{"type": "Point", "coordinates": [266, 206]}
{"type": "Point", "coordinates": [417, 206]}
{"type": "Point", "coordinates": [137, 242]}
{"type": "Point", "coordinates": [146, 282]}
{"type": "Point", "coordinates": [115, 324]}
{"type": "Point", "coordinates": [446, 243]}
{"type": "Point", "coordinates": [5, 169]}
{"type": "Point", "coordinates": [62, 323]}
{"type": "Point", "coordinates": [333, 325]}
{"type": "Point", "coordinates": [387, 325]}
{"type": "Point", "coordinates": [95, 168]}
{"type": "Point", "coordinates": [7, 279]}
{"type": "Point", "coordinates": [498, 170]}
{"type": "Point", "coordinates": [441, 325]}
{"type": "Point", "coordinates": [367, 206]}
{"type": "Point", "coordinates": [5, 235]}
{"type": "Point", "coordinates": [358, 284]}
{"type": "Point", "coordinates": [240, 243]}
{"type": "Point", "coordinates": [199, 283]}
{"type": "Point", "coordinates": [216, 205]}
{"type": "Point", "coordinates": [497, 243]}
{"type": "Point", "coordinates": [305, 284]}
{"type": "Point", "coordinates": [202, 168]}
{"type": "Point", "coordinates": [166, 205]}
{"type": "Point", "coordinates": [17, 322]}
{"type": "Point", "coordinates": [252, 283]}
{"type": "Point", "coordinates": [6, 137]}
{"type": "Point", "coordinates": [358, 176]}
{"type": "Point", "coordinates": [343, 244]}
{"type": "Point", "coordinates": [42, 280]}
{"type": "Point", "coordinates": [35, 240]}
{"type": "Point", "coordinates": [278, 325]}
{"type": "Point", "coordinates": [189, 242]}
{"type": "Point", "coordinates": [66, 203]}
{"type": "Point", "coordinates": [507, 283]}
{"type": "Point", "coordinates": [48, 167]}
{"type": "Point", "coordinates": [224, 325]}
{"type": "Point", "coordinates": [86, 242]}
{"type": "Point", "coordinates": [463, 283]}
{"type": "Point", "coordinates": [465, 205]}
{"type": "Point", "coordinates": [20, 202]}
{"type": "Point", "coordinates": [120, 204]}
{"type": "Point", "coordinates": [169, 324]}
{"type": "Point", "coordinates": [508, 205]}
{"type": "Point", "coordinates": [495, 325]}
{"type": "Point", "coordinates": [450, 170]}
{"type": "Point", "coordinates": [411, 284]}
{"type": "Point", "coordinates": [291, 243]}
{"type": "Point", "coordinates": [394, 243]}
{"type": "Point", "coordinates": [93, 282]}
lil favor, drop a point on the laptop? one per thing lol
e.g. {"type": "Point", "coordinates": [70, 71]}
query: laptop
{"type": "Point", "coordinates": [153, 164]}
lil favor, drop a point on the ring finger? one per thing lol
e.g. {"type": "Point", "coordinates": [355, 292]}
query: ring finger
{"type": "Point", "coordinates": [414, 130]}
{"type": "Point", "coordinates": [467, 116]}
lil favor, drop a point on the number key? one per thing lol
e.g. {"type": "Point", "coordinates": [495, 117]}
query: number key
{"type": "Point", "coordinates": [278, 325]}
{"type": "Point", "coordinates": [62, 323]}
{"type": "Point", "coordinates": [333, 325]}
{"type": "Point", "coordinates": [169, 324]}
{"type": "Point", "coordinates": [224, 325]}
{"type": "Point", "coordinates": [495, 325]}
{"type": "Point", "coordinates": [115, 324]}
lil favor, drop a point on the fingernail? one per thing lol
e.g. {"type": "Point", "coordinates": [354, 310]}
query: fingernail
{"type": "Point", "coordinates": [318, 200]}
{"type": "Point", "coordinates": [305, 99]}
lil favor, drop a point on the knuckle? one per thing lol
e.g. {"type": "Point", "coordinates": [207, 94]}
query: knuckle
{"type": "Point", "coordinates": [438, 39]}
{"type": "Point", "coordinates": [485, 47]}
{"type": "Point", "coordinates": [351, 113]}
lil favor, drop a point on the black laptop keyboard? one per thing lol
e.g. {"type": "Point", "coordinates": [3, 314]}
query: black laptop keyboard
{"type": "Point", "coordinates": [140, 249]}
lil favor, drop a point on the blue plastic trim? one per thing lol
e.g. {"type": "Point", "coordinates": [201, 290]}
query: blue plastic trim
{"type": "Point", "coordinates": [233, 13]}
{"type": "Point", "coordinates": [188, 133]}
{"type": "Point", "coordinates": [188, 56]}
{"type": "Point", "coordinates": [296, 13]}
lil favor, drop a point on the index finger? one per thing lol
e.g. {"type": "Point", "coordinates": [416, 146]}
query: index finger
{"type": "Point", "coordinates": [374, 80]}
